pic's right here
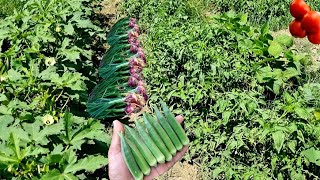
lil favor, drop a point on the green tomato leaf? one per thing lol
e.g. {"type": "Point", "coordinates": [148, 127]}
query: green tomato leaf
{"type": "Point", "coordinates": [290, 73]}
{"type": "Point", "coordinates": [278, 139]}
{"type": "Point", "coordinates": [312, 155]}
{"type": "Point", "coordinates": [284, 40]}
{"type": "Point", "coordinates": [292, 145]}
{"type": "Point", "coordinates": [302, 113]}
{"type": "Point", "coordinates": [3, 97]}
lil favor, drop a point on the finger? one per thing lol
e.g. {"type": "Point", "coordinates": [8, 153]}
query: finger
{"type": "Point", "coordinates": [179, 119]}
{"type": "Point", "coordinates": [115, 146]}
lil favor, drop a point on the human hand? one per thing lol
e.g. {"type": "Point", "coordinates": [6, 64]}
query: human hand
{"type": "Point", "coordinates": [117, 167]}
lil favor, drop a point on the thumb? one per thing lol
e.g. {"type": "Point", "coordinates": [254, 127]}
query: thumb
{"type": "Point", "coordinates": [115, 146]}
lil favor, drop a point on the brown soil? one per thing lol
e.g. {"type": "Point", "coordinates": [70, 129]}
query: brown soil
{"type": "Point", "coordinates": [110, 7]}
{"type": "Point", "coordinates": [181, 171]}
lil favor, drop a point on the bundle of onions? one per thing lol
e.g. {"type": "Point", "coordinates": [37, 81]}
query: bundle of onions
{"type": "Point", "coordinates": [121, 91]}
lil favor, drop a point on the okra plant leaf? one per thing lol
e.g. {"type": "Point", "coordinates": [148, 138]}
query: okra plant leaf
{"type": "Point", "coordinates": [55, 174]}
{"type": "Point", "coordinates": [68, 121]}
{"type": "Point", "coordinates": [90, 163]}
{"type": "Point", "coordinates": [15, 145]}
{"type": "Point", "coordinates": [5, 121]}
{"type": "Point", "coordinates": [8, 159]}
{"type": "Point", "coordinates": [70, 156]}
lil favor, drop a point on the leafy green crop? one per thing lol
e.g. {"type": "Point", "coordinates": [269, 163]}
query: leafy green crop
{"type": "Point", "coordinates": [46, 57]}
{"type": "Point", "coordinates": [46, 68]}
{"type": "Point", "coordinates": [274, 12]}
{"type": "Point", "coordinates": [30, 150]}
{"type": "Point", "coordinates": [7, 7]}
{"type": "Point", "coordinates": [247, 96]}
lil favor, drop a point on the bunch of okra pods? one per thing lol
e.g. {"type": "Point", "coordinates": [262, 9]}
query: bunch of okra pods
{"type": "Point", "coordinates": [153, 141]}
{"type": "Point", "coordinates": [121, 91]}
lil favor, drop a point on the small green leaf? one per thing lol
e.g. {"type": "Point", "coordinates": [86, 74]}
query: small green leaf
{"type": "Point", "coordinates": [216, 172]}
{"type": "Point", "coordinates": [275, 49]}
{"type": "Point", "coordinates": [70, 156]}
{"type": "Point", "coordinates": [312, 155]}
{"type": "Point", "coordinates": [290, 73]}
{"type": "Point", "coordinates": [53, 174]}
{"type": "Point", "coordinates": [277, 86]}
{"type": "Point", "coordinates": [14, 75]}
{"type": "Point", "coordinates": [284, 40]}
{"type": "Point", "coordinates": [68, 121]}
{"type": "Point", "coordinates": [265, 29]}
{"type": "Point", "coordinates": [5, 110]}
{"type": "Point", "coordinates": [278, 139]}
{"type": "Point", "coordinates": [243, 19]}
{"type": "Point", "coordinates": [302, 113]}
{"type": "Point", "coordinates": [69, 30]}
{"type": "Point", "coordinates": [292, 145]}
{"type": "Point", "coordinates": [3, 97]}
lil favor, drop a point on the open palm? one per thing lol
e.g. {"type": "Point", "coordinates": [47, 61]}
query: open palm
{"type": "Point", "coordinates": [117, 167]}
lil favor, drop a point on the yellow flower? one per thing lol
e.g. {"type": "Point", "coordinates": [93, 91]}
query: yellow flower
{"type": "Point", "coordinates": [58, 29]}
{"type": "Point", "coordinates": [47, 119]}
{"type": "Point", "coordinates": [50, 61]}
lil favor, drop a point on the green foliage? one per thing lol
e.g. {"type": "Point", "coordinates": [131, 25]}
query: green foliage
{"type": "Point", "coordinates": [7, 7]}
{"type": "Point", "coordinates": [37, 150]}
{"type": "Point", "coordinates": [247, 97]}
{"type": "Point", "coordinates": [46, 67]}
{"type": "Point", "coordinates": [46, 57]}
{"type": "Point", "coordinates": [274, 12]}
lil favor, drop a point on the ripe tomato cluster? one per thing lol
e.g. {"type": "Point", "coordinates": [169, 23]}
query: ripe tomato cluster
{"type": "Point", "coordinates": [306, 22]}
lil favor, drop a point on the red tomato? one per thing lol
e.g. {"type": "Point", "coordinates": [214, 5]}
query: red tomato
{"type": "Point", "coordinates": [311, 22]}
{"type": "Point", "coordinates": [299, 8]}
{"type": "Point", "coordinates": [314, 38]}
{"type": "Point", "coordinates": [296, 29]}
